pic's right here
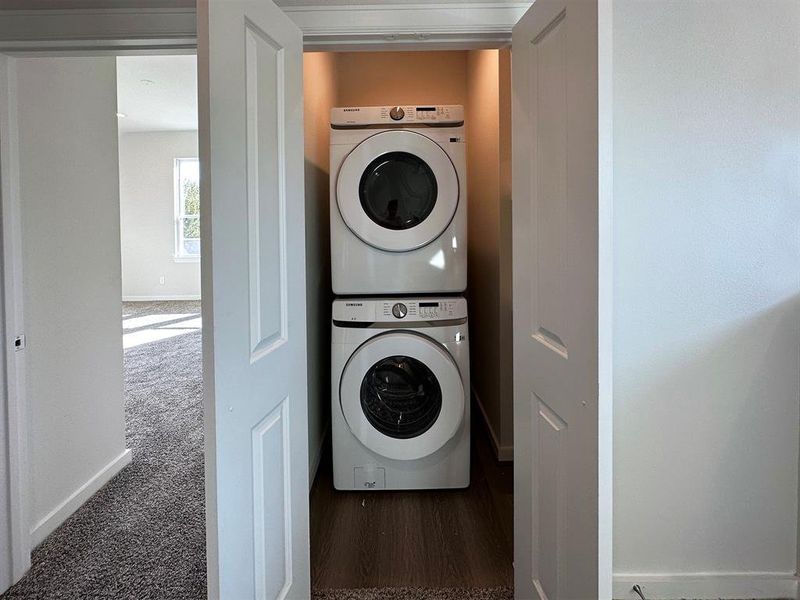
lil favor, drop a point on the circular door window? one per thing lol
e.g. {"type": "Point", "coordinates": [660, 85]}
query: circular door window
{"type": "Point", "coordinates": [401, 395]}
{"type": "Point", "coordinates": [397, 190]}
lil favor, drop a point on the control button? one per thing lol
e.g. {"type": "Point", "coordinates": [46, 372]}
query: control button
{"type": "Point", "coordinates": [399, 310]}
{"type": "Point", "coordinates": [397, 113]}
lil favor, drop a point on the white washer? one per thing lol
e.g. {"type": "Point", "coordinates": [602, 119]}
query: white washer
{"type": "Point", "coordinates": [398, 200]}
{"type": "Point", "coordinates": [400, 394]}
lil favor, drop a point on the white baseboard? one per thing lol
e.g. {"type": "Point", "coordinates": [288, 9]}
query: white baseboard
{"type": "Point", "coordinates": [161, 298]}
{"type": "Point", "coordinates": [733, 586]}
{"type": "Point", "coordinates": [75, 500]}
{"type": "Point", "coordinates": [503, 453]}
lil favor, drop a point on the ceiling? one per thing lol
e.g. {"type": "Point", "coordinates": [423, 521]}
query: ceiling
{"type": "Point", "coordinates": [157, 93]}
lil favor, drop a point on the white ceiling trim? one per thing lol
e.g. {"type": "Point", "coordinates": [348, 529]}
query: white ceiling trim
{"type": "Point", "coordinates": [364, 26]}
{"type": "Point", "coordinates": [115, 29]}
{"type": "Point", "coordinates": [444, 23]}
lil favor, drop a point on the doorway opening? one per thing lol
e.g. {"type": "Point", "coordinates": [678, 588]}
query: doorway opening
{"type": "Point", "coordinates": [113, 374]}
{"type": "Point", "coordinates": [459, 539]}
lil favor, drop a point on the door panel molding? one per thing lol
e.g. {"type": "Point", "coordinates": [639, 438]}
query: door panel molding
{"type": "Point", "coordinates": [266, 190]}
{"type": "Point", "coordinates": [550, 497]}
{"type": "Point", "coordinates": [271, 463]}
{"type": "Point", "coordinates": [548, 93]}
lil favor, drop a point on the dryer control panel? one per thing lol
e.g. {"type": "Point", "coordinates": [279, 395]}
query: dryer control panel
{"type": "Point", "coordinates": [398, 310]}
{"type": "Point", "coordinates": [432, 114]}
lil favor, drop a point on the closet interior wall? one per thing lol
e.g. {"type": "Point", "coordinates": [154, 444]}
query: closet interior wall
{"type": "Point", "coordinates": [319, 95]}
{"type": "Point", "coordinates": [488, 119]}
{"type": "Point", "coordinates": [480, 81]}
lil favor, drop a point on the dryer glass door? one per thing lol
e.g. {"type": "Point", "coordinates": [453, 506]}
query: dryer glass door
{"type": "Point", "coordinates": [402, 396]}
{"type": "Point", "coordinates": [397, 190]}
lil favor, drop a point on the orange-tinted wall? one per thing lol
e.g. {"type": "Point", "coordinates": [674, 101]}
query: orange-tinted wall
{"type": "Point", "coordinates": [488, 119]}
{"type": "Point", "coordinates": [479, 80]}
{"type": "Point", "coordinates": [319, 95]}
{"type": "Point", "coordinates": [387, 78]}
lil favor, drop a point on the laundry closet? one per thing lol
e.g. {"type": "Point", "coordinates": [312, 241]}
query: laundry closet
{"type": "Point", "coordinates": [447, 536]}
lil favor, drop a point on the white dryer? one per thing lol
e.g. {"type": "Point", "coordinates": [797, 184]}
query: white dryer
{"type": "Point", "coordinates": [400, 394]}
{"type": "Point", "coordinates": [398, 200]}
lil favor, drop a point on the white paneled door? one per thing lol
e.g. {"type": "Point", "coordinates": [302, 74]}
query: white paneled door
{"type": "Point", "coordinates": [561, 225]}
{"type": "Point", "coordinates": [251, 147]}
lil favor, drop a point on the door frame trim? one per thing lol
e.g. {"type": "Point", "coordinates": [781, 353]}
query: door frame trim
{"type": "Point", "coordinates": [86, 32]}
{"type": "Point", "coordinates": [605, 297]}
{"type": "Point", "coordinates": [128, 31]}
{"type": "Point", "coordinates": [76, 32]}
{"type": "Point", "coordinates": [13, 367]}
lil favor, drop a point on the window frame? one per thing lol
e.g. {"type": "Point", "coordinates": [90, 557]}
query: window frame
{"type": "Point", "coordinates": [179, 255]}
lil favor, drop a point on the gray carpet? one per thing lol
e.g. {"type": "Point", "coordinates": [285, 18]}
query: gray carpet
{"type": "Point", "coordinates": [499, 593]}
{"type": "Point", "coordinates": [143, 535]}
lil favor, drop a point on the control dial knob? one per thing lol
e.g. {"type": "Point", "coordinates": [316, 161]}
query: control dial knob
{"type": "Point", "coordinates": [397, 113]}
{"type": "Point", "coordinates": [399, 310]}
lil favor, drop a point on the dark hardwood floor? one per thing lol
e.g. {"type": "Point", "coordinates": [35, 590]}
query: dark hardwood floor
{"type": "Point", "coordinates": [440, 538]}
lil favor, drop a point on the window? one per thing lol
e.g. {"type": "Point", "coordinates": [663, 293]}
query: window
{"type": "Point", "coordinates": [187, 208]}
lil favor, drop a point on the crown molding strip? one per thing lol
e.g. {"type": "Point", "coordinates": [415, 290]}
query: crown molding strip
{"type": "Point", "coordinates": [488, 24]}
{"type": "Point", "coordinates": [434, 25]}
{"type": "Point", "coordinates": [96, 29]}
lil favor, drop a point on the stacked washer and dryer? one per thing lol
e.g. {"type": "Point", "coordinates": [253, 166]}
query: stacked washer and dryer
{"type": "Point", "coordinates": [399, 351]}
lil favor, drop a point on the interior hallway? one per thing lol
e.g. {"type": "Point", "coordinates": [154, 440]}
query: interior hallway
{"type": "Point", "coordinates": [142, 536]}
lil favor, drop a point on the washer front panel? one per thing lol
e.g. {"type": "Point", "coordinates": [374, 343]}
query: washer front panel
{"type": "Point", "coordinates": [441, 364]}
{"type": "Point", "coordinates": [350, 178]}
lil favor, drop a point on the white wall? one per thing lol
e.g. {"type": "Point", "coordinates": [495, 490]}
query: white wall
{"type": "Point", "coordinates": [147, 197]}
{"type": "Point", "coordinates": [69, 193]}
{"type": "Point", "coordinates": [707, 291]}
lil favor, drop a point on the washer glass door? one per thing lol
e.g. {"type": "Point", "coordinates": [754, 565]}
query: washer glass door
{"type": "Point", "coordinates": [402, 396]}
{"type": "Point", "coordinates": [397, 190]}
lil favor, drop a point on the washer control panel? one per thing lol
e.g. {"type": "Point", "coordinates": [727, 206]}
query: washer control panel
{"type": "Point", "coordinates": [399, 310]}
{"type": "Point", "coordinates": [354, 116]}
